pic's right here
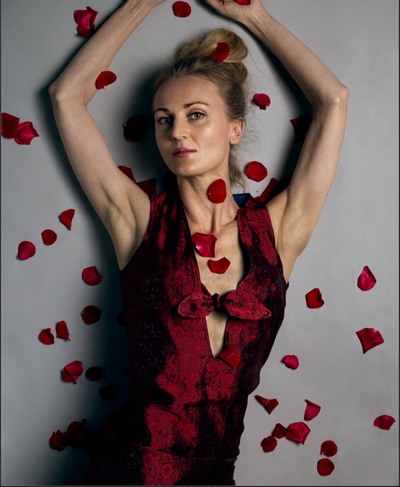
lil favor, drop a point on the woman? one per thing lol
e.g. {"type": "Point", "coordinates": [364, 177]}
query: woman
{"type": "Point", "coordinates": [198, 333]}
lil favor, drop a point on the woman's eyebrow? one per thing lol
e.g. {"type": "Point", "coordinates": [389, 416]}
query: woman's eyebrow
{"type": "Point", "coordinates": [184, 106]}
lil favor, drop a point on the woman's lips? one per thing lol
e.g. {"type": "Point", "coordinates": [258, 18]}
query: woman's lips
{"type": "Point", "coordinates": [184, 153]}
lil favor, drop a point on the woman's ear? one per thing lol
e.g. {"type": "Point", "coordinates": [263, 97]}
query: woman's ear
{"type": "Point", "coordinates": [236, 131]}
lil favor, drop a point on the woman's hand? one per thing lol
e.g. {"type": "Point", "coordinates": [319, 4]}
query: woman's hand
{"type": "Point", "coordinates": [240, 13]}
{"type": "Point", "coordinates": [146, 3]}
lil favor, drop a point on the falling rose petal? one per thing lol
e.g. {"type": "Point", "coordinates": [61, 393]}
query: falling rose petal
{"type": "Point", "coordinates": [104, 79]}
{"type": "Point", "coordinates": [221, 52]}
{"type": "Point", "coordinates": [94, 373]}
{"type": "Point", "coordinates": [370, 338]}
{"type": "Point", "coordinates": [59, 441]}
{"type": "Point", "coordinates": [66, 217]}
{"type": "Point", "coordinates": [291, 361]}
{"type": "Point", "coordinates": [128, 172]}
{"type": "Point", "coordinates": [301, 126]}
{"type": "Point", "coordinates": [269, 404]}
{"type": "Point", "coordinates": [230, 355]}
{"type": "Point", "coordinates": [62, 330]}
{"type": "Point", "coordinates": [108, 392]}
{"type": "Point", "coordinates": [49, 237]}
{"type": "Point", "coordinates": [217, 191]}
{"type": "Point", "coordinates": [91, 276]}
{"type": "Point", "coordinates": [73, 370]}
{"type": "Point", "coordinates": [25, 133]}
{"type": "Point", "coordinates": [120, 319]}
{"type": "Point", "coordinates": [219, 266]}
{"type": "Point", "coordinates": [46, 336]}
{"type": "Point", "coordinates": [269, 444]}
{"type": "Point", "coordinates": [312, 410]}
{"type": "Point", "coordinates": [256, 171]}
{"type": "Point", "coordinates": [134, 128]}
{"type": "Point", "coordinates": [76, 433]}
{"type": "Point", "coordinates": [204, 244]}
{"type": "Point", "coordinates": [366, 280]}
{"type": "Point", "coordinates": [26, 250]}
{"type": "Point", "coordinates": [279, 431]}
{"type": "Point", "coordinates": [148, 186]}
{"type": "Point", "coordinates": [91, 314]}
{"type": "Point", "coordinates": [314, 298]}
{"type": "Point", "coordinates": [181, 9]}
{"type": "Point", "coordinates": [85, 20]}
{"type": "Point", "coordinates": [329, 448]}
{"type": "Point", "coordinates": [243, 2]}
{"type": "Point", "coordinates": [9, 125]}
{"type": "Point", "coordinates": [384, 422]}
{"type": "Point", "coordinates": [262, 100]}
{"type": "Point", "coordinates": [325, 466]}
{"type": "Point", "coordinates": [298, 432]}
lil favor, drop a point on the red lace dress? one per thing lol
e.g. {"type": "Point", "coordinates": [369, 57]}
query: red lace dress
{"type": "Point", "coordinates": [185, 418]}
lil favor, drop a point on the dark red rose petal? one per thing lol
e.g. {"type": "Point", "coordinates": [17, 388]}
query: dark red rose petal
{"type": "Point", "coordinates": [314, 298]}
{"type": "Point", "coordinates": [384, 422]}
{"type": "Point", "coordinates": [9, 125]}
{"type": "Point", "coordinates": [148, 186]}
{"type": "Point", "coordinates": [256, 171]}
{"type": "Point", "coordinates": [269, 404]}
{"type": "Point", "coordinates": [66, 377]}
{"type": "Point", "coordinates": [370, 338]}
{"type": "Point", "coordinates": [25, 133]}
{"type": "Point", "coordinates": [46, 337]}
{"type": "Point", "coordinates": [325, 466]}
{"type": "Point", "coordinates": [274, 188]}
{"type": "Point", "coordinates": [230, 355]}
{"type": "Point", "coordinates": [301, 126]}
{"type": "Point", "coordinates": [366, 280]}
{"type": "Point", "coordinates": [312, 410]}
{"type": "Point", "coordinates": [85, 32]}
{"type": "Point", "coordinates": [91, 276]}
{"type": "Point", "coordinates": [66, 217]}
{"type": "Point", "coordinates": [91, 314]}
{"type": "Point", "coordinates": [49, 237]}
{"type": "Point", "coordinates": [108, 392]}
{"type": "Point", "coordinates": [76, 433]}
{"type": "Point", "coordinates": [85, 20]}
{"type": "Point", "coordinates": [219, 266]}
{"type": "Point", "coordinates": [291, 361]}
{"type": "Point", "coordinates": [221, 52]}
{"type": "Point", "coordinates": [59, 441]}
{"type": "Point", "coordinates": [134, 128]}
{"type": "Point", "coordinates": [181, 9]}
{"type": "Point", "coordinates": [128, 172]}
{"type": "Point", "coordinates": [279, 431]}
{"type": "Point", "coordinates": [104, 79]}
{"type": "Point", "coordinates": [120, 319]}
{"type": "Point", "coordinates": [204, 244]}
{"type": "Point", "coordinates": [26, 250]}
{"type": "Point", "coordinates": [217, 191]}
{"type": "Point", "coordinates": [329, 448]}
{"type": "Point", "coordinates": [269, 444]}
{"type": "Point", "coordinates": [298, 432]}
{"type": "Point", "coordinates": [72, 371]}
{"type": "Point", "coordinates": [62, 330]}
{"type": "Point", "coordinates": [243, 2]}
{"type": "Point", "coordinates": [262, 100]}
{"type": "Point", "coordinates": [94, 373]}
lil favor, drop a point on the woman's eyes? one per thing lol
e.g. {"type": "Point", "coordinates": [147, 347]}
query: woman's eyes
{"type": "Point", "coordinates": [166, 120]}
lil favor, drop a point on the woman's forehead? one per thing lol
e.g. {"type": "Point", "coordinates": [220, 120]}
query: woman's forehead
{"type": "Point", "coordinates": [187, 90]}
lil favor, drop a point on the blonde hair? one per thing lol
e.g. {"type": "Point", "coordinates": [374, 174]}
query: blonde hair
{"type": "Point", "coordinates": [230, 76]}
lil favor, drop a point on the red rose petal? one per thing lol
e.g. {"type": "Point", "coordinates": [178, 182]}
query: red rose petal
{"type": "Point", "coordinates": [243, 2]}
{"type": "Point", "coordinates": [291, 361]}
{"type": "Point", "coordinates": [219, 266]}
{"type": "Point", "coordinates": [9, 125]}
{"type": "Point", "coordinates": [108, 392]}
{"type": "Point", "coordinates": [72, 371]}
{"type": "Point", "coordinates": [274, 188]}
{"type": "Point", "coordinates": [46, 337]}
{"type": "Point", "coordinates": [85, 20]}
{"type": "Point", "coordinates": [148, 186]}
{"type": "Point", "coordinates": [314, 298]}
{"type": "Point", "coordinates": [59, 441]}
{"type": "Point", "coordinates": [301, 126]}
{"type": "Point", "coordinates": [221, 52]}
{"type": "Point", "coordinates": [262, 100]}
{"type": "Point", "coordinates": [204, 244]}
{"type": "Point", "coordinates": [128, 172]}
{"type": "Point", "coordinates": [269, 444]}
{"type": "Point", "coordinates": [312, 410]}
{"type": "Point", "coordinates": [279, 431]}
{"type": "Point", "coordinates": [49, 237]}
{"type": "Point", "coordinates": [94, 373]}
{"type": "Point", "coordinates": [26, 250]}
{"type": "Point", "coordinates": [104, 79]}
{"type": "Point", "coordinates": [91, 314]}
{"type": "Point", "coordinates": [181, 9]}
{"type": "Point", "coordinates": [366, 280]}
{"type": "Point", "coordinates": [298, 432]}
{"type": "Point", "coordinates": [76, 433]}
{"type": "Point", "coordinates": [230, 355]}
{"type": "Point", "coordinates": [62, 330]}
{"type": "Point", "coordinates": [370, 338]}
{"type": "Point", "coordinates": [217, 191]}
{"type": "Point", "coordinates": [91, 276]}
{"type": "Point", "coordinates": [325, 466]}
{"type": "Point", "coordinates": [134, 128]}
{"type": "Point", "coordinates": [256, 171]}
{"type": "Point", "coordinates": [25, 133]}
{"type": "Point", "coordinates": [66, 217]}
{"type": "Point", "coordinates": [85, 32]}
{"type": "Point", "coordinates": [269, 404]}
{"type": "Point", "coordinates": [384, 422]}
{"type": "Point", "coordinates": [329, 448]}
{"type": "Point", "coordinates": [66, 377]}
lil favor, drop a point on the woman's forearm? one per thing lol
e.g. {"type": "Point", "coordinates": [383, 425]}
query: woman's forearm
{"type": "Point", "coordinates": [314, 78]}
{"type": "Point", "coordinates": [77, 82]}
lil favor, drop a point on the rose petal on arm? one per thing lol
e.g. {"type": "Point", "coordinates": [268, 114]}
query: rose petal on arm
{"type": "Point", "coordinates": [325, 466]}
{"type": "Point", "coordinates": [291, 361]}
{"type": "Point", "coordinates": [59, 441]}
{"type": "Point", "coordinates": [256, 171]}
{"type": "Point", "coordinates": [66, 217]}
{"type": "Point", "coordinates": [72, 371]}
{"type": "Point", "coordinates": [329, 448]}
{"type": "Point", "coordinates": [262, 100]}
{"type": "Point", "coordinates": [25, 133]}
{"type": "Point", "coordinates": [134, 128]}
{"type": "Point", "coordinates": [9, 125]}
{"type": "Point", "coordinates": [91, 314]}
{"type": "Point", "coordinates": [301, 126]}
{"type": "Point", "coordinates": [279, 431]}
{"type": "Point", "coordinates": [26, 250]}
{"type": "Point", "coordinates": [94, 373]}
{"type": "Point", "coordinates": [312, 410]}
{"type": "Point", "coordinates": [128, 172]}
{"type": "Point", "coordinates": [366, 280]}
{"type": "Point", "coordinates": [91, 276]}
{"type": "Point", "coordinates": [49, 237]}
{"type": "Point", "coordinates": [269, 444]}
{"type": "Point", "coordinates": [46, 336]}
{"type": "Point", "coordinates": [217, 191]}
{"type": "Point", "coordinates": [230, 355]}
{"type": "Point", "coordinates": [181, 9]}
{"type": "Point", "coordinates": [62, 330]}
{"type": "Point", "coordinates": [104, 79]}
{"type": "Point", "coordinates": [384, 422]}
{"type": "Point", "coordinates": [269, 404]}
{"type": "Point", "coordinates": [204, 244]}
{"type": "Point", "coordinates": [219, 266]}
{"type": "Point", "coordinates": [298, 432]}
{"type": "Point", "coordinates": [221, 52]}
{"type": "Point", "coordinates": [148, 186]}
{"type": "Point", "coordinates": [370, 338]}
{"type": "Point", "coordinates": [314, 298]}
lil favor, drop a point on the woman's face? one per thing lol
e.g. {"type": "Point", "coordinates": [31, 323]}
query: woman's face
{"type": "Point", "coordinates": [190, 113]}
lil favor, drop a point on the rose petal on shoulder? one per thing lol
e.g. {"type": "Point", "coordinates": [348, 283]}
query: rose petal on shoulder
{"type": "Point", "coordinates": [26, 250]}
{"type": "Point", "coordinates": [314, 298]}
{"type": "Point", "coordinates": [370, 338]}
{"type": "Point", "coordinates": [46, 336]}
{"type": "Point", "coordinates": [9, 125]}
{"type": "Point", "coordinates": [384, 422]}
{"type": "Point", "coordinates": [366, 280]}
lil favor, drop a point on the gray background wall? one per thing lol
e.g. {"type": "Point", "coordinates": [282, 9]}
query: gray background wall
{"type": "Point", "coordinates": [358, 40]}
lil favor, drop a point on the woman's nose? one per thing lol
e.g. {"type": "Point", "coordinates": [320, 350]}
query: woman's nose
{"type": "Point", "coordinates": [180, 129]}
